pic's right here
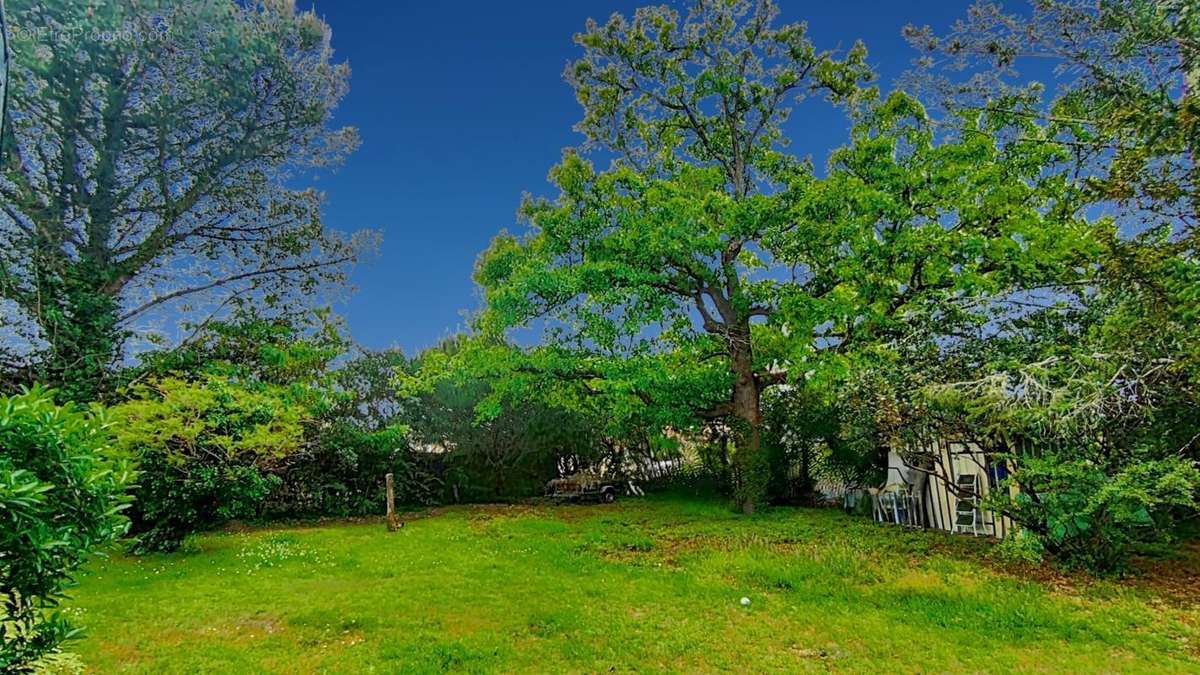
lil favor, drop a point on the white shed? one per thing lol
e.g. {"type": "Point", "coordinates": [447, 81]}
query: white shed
{"type": "Point", "coordinates": [941, 487]}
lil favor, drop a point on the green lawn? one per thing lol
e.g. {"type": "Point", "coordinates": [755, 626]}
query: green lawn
{"type": "Point", "coordinates": [641, 585]}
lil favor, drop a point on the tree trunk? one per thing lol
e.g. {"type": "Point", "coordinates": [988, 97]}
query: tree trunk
{"type": "Point", "coordinates": [805, 495]}
{"type": "Point", "coordinates": [747, 410]}
{"type": "Point", "coordinates": [1191, 91]}
{"type": "Point", "coordinates": [79, 321]}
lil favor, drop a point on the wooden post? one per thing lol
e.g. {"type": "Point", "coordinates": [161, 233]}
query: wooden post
{"type": "Point", "coordinates": [392, 523]}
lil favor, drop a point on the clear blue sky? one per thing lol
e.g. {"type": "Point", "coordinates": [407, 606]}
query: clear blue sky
{"type": "Point", "coordinates": [461, 107]}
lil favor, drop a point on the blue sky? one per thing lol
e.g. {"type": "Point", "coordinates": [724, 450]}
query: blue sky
{"type": "Point", "coordinates": [461, 107]}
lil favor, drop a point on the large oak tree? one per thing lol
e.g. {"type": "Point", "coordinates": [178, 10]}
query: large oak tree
{"type": "Point", "coordinates": [152, 169]}
{"type": "Point", "coordinates": [706, 245]}
{"type": "Point", "coordinates": [691, 108]}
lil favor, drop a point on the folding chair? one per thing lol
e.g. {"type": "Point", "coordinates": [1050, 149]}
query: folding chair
{"type": "Point", "coordinates": [967, 514]}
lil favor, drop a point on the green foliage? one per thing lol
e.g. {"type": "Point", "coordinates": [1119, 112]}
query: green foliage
{"type": "Point", "coordinates": [1022, 546]}
{"type": "Point", "coordinates": [358, 438]}
{"type": "Point", "coordinates": [219, 420]}
{"type": "Point", "coordinates": [706, 265]}
{"type": "Point", "coordinates": [506, 451]}
{"type": "Point", "coordinates": [87, 343]}
{"type": "Point", "coordinates": [648, 275]}
{"type": "Point", "coordinates": [1126, 105]}
{"type": "Point", "coordinates": [1090, 392]}
{"type": "Point", "coordinates": [1064, 347]}
{"type": "Point", "coordinates": [62, 493]}
{"type": "Point", "coordinates": [912, 234]}
{"type": "Point", "coordinates": [751, 473]}
{"type": "Point", "coordinates": [60, 663]}
{"type": "Point", "coordinates": [1092, 492]}
{"type": "Point", "coordinates": [341, 473]}
{"type": "Point", "coordinates": [209, 451]}
{"type": "Point", "coordinates": [1099, 428]}
{"type": "Point", "coordinates": [251, 419]}
{"type": "Point", "coordinates": [504, 420]}
{"type": "Point", "coordinates": [282, 350]}
{"type": "Point", "coordinates": [811, 436]}
{"type": "Point", "coordinates": [123, 199]}
{"type": "Point", "coordinates": [1094, 511]}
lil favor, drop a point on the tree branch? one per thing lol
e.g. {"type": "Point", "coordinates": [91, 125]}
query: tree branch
{"type": "Point", "coordinates": [301, 267]}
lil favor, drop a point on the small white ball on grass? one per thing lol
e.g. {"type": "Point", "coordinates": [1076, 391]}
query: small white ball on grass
{"type": "Point", "coordinates": [745, 602]}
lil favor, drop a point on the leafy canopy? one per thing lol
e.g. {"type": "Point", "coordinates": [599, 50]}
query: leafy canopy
{"type": "Point", "coordinates": [152, 174]}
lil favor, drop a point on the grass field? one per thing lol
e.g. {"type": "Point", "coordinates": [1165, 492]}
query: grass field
{"type": "Point", "coordinates": [641, 585]}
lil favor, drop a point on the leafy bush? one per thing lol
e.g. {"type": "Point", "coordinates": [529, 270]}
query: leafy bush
{"type": "Point", "coordinates": [358, 438]}
{"type": "Point", "coordinates": [174, 501]}
{"type": "Point", "coordinates": [1098, 444]}
{"type": "Point", "coordinates": [810, 437]}
{"type": "Point", "coordinates": [62, 493]}
{"type": "Point", "coordinates": [1021, 546]}
{"type": "Point", "coordinates": [510, 452]}
{"type": "Point", "coordinates": [252, 419]}
{"type": "Point", "coordinates": [210, 449]}
{"type": "Point", "coordinates": [60, 663]}
{"type": "Point", "coordinates": [1092, 514]}
{"type": "Point", "coordinates": [342, 474]}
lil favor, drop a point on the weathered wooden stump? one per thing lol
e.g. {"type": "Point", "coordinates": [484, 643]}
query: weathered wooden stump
{"type": "Point", "coordinates": [393, 523]}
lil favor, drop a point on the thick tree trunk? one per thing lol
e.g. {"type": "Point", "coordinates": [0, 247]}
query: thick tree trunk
{"type": "Point", "coordinates": [746, 409]}
{"type": "Point", "coordinates": [79, 321]}
{"type": "Point", "coordinates": [749, 461]}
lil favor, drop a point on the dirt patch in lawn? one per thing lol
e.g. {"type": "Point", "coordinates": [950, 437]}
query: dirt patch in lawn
{"type": "Point", "coordinates": [1176, 578]}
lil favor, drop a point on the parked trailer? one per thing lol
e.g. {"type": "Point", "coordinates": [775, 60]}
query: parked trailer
{"type": "Point", "coordinates": [582, 488]}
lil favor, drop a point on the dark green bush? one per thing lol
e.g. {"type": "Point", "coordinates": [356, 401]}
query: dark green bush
{"type": "Point", "coordinates": [360, 437]}
{"type": "Point", "coordinates": [174, 501]}
{"type": "Point", "coordinates": [343, 474]}
{"type": "Point", "coordinates": [62, 493]}
{"type": "Point", "coordinates": [1094, 514]}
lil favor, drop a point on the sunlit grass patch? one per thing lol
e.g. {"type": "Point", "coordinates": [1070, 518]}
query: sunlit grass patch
{"type": "Point", "coordinates": [648, 585]}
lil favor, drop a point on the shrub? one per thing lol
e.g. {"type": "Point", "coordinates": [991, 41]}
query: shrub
{"type": "Point", "coordinates": [211, 450]}
{"type": "Point", "coordinates": [1093, 513]}
{"type": "Point", "coordinates": [175, 500]}
{"type": "Point", "coordinates": [62, 493]}
{"type": "Point", "coordinates": [342, 474]}
{"type": "Point", "coordinates": [1099, 445]}
{"type": "Point", "coordinates": [509, 452]}
{"type": "Point", "coordinates": [1022, 546]}
{"type": "Point", "coordinates": [356, 439]}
